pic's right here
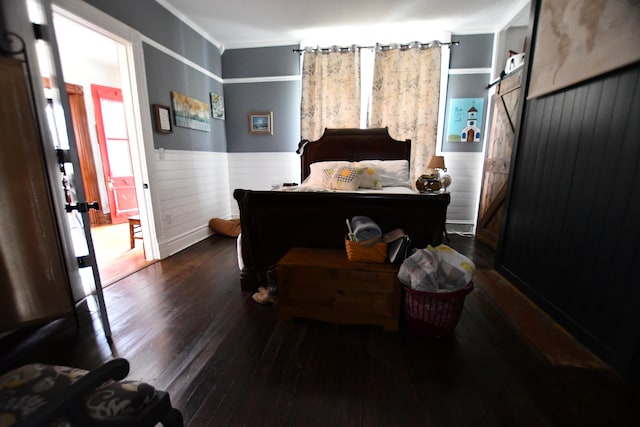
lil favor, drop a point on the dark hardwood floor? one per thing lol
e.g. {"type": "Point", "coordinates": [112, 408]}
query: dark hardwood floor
{"type": "Point", "coordinates": [185, 327]}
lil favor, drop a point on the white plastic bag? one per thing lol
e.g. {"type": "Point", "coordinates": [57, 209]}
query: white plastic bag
{"type": "Point", "coordinates": [439, 268]}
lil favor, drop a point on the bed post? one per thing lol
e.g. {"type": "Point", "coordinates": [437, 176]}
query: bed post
{"type": "Point", "coordinates": [248, 278]}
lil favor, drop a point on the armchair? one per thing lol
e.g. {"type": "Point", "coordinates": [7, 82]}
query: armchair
{"type": "Point", "coordinates": [49, 395]}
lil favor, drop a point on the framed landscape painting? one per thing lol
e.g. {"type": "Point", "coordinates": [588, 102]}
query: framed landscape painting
{"type": "Point", "coordinates": [261, 123]}
{"type": "Point", "coordinates": [189, 112]}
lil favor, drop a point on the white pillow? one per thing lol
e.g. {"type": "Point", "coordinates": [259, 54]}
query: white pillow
{"type": "Point", "coordinates": [345, 178]}
{"type": "Point", "coordinates": [321, 172]}
{"type": "Point", "coordinates": [393, 173]}
{"type": "Point", "coordinates": [370, 177]}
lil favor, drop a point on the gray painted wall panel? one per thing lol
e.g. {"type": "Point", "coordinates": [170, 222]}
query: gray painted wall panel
{"type": "Point", "coordinates": [570, 237]}
{"type": "Point", "coordinates": [474, 51]}
{"type": "Point", "coordinates": [515, 38]}
{"type": "Point", "coordinates": [261, 62]}
{"type": "Point", "coordinates": [157, 23]}
{"type": "Point", "coordinates": [165, 74]}
{"type": "Point", "coordinates": [283, 98]}
{"type": "Point", "coordinates": [466, 86]}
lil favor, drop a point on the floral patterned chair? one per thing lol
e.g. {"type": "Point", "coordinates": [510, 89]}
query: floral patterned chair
{"type": "Point", "coordinates": [50, 395]}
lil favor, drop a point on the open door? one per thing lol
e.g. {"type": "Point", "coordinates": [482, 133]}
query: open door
{"type": "Point", "coordinates": [33, 281]}
{"type": "Point", "coordinates": [111, 127]}
{"type": "Point", "coordinates": [34, 45]}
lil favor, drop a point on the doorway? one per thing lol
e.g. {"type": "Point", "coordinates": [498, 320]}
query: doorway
{"type": "Point", "coordinates": [89, 58]}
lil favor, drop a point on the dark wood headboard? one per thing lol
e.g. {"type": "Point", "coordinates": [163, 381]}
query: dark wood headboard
{"type": "Point", "coordinates": [352, 145]}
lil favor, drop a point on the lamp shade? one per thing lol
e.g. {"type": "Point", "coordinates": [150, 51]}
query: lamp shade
{"type": "Point", "coordinates": [437, 162]}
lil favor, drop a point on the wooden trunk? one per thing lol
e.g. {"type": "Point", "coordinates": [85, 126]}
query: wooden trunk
{"type": "Point", "coordinates": [498, 161]}
{"type": "Point", "coordinates": [322, 284]}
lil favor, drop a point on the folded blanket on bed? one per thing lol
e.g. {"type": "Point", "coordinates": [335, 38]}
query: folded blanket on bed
{"type": "Point", "coordinates": [364, 228]}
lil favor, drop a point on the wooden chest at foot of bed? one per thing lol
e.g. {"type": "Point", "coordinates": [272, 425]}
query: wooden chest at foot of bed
{"type": "Point", "coordinates": [322, 284]}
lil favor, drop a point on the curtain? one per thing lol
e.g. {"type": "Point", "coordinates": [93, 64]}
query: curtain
{"type": "Point", "coordinates": [405, 98]}
{"type": "Point", "coordinates": [330, 90]}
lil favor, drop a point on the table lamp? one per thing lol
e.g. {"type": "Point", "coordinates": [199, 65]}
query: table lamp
{"type": "Point", "coordinates": [437, 163]}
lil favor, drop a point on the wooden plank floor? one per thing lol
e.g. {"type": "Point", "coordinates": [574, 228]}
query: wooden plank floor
{"type": "Point", "coordinates": [185, 327]}
{"type": "Point", "coordinates": [116, 259]}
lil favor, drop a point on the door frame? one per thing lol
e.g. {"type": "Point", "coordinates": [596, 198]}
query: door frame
{"type": "Point", "coordinates": [135, 94]}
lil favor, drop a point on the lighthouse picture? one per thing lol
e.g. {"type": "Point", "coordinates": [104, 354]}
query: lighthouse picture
{"type": "Point", "coordinates": [464, 120]}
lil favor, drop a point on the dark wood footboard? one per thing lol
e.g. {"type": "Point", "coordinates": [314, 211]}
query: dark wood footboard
{"type": "Point", "coordinates": [275, 221]}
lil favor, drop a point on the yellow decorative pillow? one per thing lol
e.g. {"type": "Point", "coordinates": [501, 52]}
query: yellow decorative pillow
{"type": "Point", "coordinates": [369, 177]}
{"type": "Point", "coordinates": [327, 175]}
{"type": "Point", "coordinates": [345, 178]}
{"type": "Point", "coordinates": [321, 172]}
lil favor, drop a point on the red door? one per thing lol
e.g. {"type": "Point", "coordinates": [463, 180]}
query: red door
{"type": "Point", "coordinates": [111, 127]}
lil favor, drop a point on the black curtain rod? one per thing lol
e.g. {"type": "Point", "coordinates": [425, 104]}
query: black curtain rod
{"type": "Point", "coordinates": [406, 45]}
{"type": "Point", "coordinates": [503, 74]}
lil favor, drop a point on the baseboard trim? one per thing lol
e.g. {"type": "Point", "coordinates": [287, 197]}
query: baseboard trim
{"type": "Point", "coordinates": [554, 342]}
{"type": "Point", "coordinates": [183, 241]}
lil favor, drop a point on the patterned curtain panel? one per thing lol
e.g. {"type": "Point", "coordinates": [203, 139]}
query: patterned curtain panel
{"type": "Point", "coordinates": [330, 91]}
{"type": "Point", "coordinates": [405, 98]}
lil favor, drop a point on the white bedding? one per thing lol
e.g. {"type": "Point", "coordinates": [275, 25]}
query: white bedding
{"type": "Point", "coordinates": [348, 176]}
{"type": "Point", "coordinates": [304, 187]}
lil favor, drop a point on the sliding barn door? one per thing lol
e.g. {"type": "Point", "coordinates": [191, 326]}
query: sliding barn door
{"type": "Point", "coordinates": [498, 161]}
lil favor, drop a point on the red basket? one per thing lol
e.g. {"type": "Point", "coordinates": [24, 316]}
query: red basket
{"type": "Point", "coordinates": [433, 314]}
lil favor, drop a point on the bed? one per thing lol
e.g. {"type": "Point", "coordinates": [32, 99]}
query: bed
{"type": "Point", "coordinates": [272, 222]}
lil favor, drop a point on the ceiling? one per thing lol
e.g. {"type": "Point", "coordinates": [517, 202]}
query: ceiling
{"type": "Point", "coordinates": [250, 23]}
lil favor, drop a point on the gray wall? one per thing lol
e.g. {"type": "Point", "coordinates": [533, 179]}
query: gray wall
{"type": "Point", "coordinates": [570, 237]}
{"type": "Point", "coordinates": [157, 23]}
{"type": "Point", "coordinates": [261, 62]}
{"type": "Point", "coordinates": [262, 91]}
{"type": "Point", "coordinates": [474, 51]}
{"type": "Point", "coordinates": [166, 74]}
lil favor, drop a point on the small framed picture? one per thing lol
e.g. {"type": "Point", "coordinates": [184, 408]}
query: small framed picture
{"type": "Point", "coordinates": [162, 115]}
{"type": "Point", "coordinates": [217, 106]}
{"type": "Point", "coordinates": [261, 123]}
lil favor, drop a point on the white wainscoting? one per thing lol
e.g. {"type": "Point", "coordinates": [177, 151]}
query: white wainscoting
{"type": "Point", "coordinates": [260, 171]}
{"type": "Point", "coordinates": [466, 177]}
{"type": "Point", "coordinates": [191, 188]}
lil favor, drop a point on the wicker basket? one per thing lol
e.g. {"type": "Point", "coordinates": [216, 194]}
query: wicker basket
{"type": "Point", "coordinates": [433, 314]}
{"type": "Point", "coordinates": [366, 251]}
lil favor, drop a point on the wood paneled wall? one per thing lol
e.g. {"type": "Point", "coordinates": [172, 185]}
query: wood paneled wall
{"type": "Point", "coordinates": [571, 236]}
{"type": "Point", "coordinates": [466, 172]}
{"type": "Point", "coordinates": [193, 187]}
